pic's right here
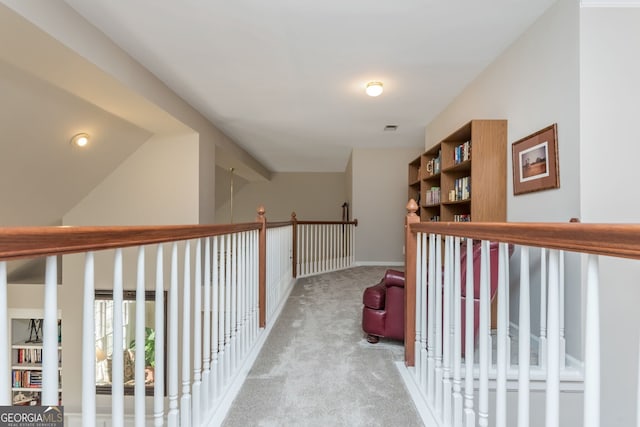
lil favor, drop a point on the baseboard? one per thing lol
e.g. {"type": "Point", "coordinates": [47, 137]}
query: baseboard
{"type": "Point", "coordinates": [419, 399]}
{"type": "Point", "coordinates": [378, 263]}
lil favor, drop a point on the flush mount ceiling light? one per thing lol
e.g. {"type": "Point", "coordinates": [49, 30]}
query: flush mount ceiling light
{"type": "Point", "coordinates": [80, 140]}
{"type": "Point", "coordinates": [374, 88]}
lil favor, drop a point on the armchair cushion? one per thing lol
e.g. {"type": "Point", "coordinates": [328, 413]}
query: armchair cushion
{"type": "Point", "coordinates": [374, 296]}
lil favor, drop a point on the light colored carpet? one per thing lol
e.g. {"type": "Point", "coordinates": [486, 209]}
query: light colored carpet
{"type": "Point", "coordinates": [317, 369]}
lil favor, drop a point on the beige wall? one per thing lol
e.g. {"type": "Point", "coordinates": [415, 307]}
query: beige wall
{"type": "Point", "coordinates": [157, 184]}
{"type": "Point", "coordinates": [609, 152]}
{"type": "Point", "coordinates": [379, 199]}
{"type": "Point", "coordinates": [313, 196]}
{"type": "Point", "coordinates": [534, 84]}
{"type": "Point", "coordinates": [348, 172]}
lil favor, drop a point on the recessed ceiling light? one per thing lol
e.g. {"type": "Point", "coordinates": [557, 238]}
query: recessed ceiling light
{"type": "Point", "coordinates": [374, 88]}
{"type": "Point", "coordinates": [80, 140]}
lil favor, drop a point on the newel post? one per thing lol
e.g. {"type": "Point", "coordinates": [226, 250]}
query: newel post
{"type": "Point", "coordinates": [410, 244]}
{"type": "Point", "coordinates": [294, 257]}
{"type": "Point", "coordinates": [262, 268]}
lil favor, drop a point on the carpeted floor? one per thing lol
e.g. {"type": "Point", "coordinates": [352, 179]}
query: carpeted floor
{"type": "Point", "coordinates": [317, 369]}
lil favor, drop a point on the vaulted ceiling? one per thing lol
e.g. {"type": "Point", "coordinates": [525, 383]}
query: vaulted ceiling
{"type": "Point", "coordinates": [284, 80]}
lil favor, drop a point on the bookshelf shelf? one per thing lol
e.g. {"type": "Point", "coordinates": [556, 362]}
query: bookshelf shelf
{"type": "Point", "coordinates": [26, 358]}
{"type": "Point", "coordinates": [471, 163]}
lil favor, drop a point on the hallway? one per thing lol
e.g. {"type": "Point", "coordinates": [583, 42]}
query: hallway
{"type": "Point", "coordinates": [317, 369]}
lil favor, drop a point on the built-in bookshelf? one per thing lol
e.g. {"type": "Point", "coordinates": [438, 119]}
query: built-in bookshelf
{"type": "Point", "coordinates": [463, 177]}
{"type": "Point", "coordinates": [26, 358]}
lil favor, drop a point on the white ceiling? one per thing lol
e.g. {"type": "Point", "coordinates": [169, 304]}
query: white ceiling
{"type": "Point", "coordinates": [285, 79]}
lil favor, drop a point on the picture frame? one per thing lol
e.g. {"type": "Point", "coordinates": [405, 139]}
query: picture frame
{"type": "Point", "coordinates": [535, 161]}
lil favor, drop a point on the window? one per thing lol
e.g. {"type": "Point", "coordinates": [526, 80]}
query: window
{"type": "Point", "coordinates": [105, 346]}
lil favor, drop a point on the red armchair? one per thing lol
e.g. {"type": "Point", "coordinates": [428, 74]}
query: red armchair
{"type": "Point", "coordinates": [383, 311]}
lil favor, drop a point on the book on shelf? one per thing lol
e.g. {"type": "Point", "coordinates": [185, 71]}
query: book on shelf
{"type": "Point", "coordinates": [432, 196]}
{"type": "Point", "coordinates": [462, 152]}
{"type": "Point", "coordinates": [461, 189]}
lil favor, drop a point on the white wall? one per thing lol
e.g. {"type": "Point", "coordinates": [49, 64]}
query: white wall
{"type": "Point", "coordinates": [379, 189]}
{"type": "Point", "coordinates": [533, 84]}
{"type": "Point", "coordinates": [610, 149]}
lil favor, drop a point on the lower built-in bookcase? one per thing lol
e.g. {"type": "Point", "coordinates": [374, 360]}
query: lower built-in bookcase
{"type": "Point", "coordinates": [26, 357]}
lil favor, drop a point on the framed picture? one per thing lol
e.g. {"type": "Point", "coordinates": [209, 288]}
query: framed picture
{"type": "Point", "coordinates": [535, 162]}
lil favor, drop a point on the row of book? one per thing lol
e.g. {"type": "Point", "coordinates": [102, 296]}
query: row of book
{"type": "Point", "coordinates": [27, 379]}
{"type": "Point", "coordinates": [462, 218]}
{"type": "Point", "coordinates": [461, 189]}
{"type": "Point", "coordinates": [432, 196]}
{"type": "Point", "coordinates": [29, 355]}
{"type": "Point", "coordinates": [462, 153]}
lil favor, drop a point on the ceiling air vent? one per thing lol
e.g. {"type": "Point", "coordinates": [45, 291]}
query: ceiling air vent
{"type": "Point", "coordinates": [390, 128]}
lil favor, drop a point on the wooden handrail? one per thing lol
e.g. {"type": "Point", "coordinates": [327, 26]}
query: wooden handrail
{"type": "Point", "coordinates": [354, 222]}
{"type": "Point", "coordinates": [617, 240]}
{"type": "Point", "coordinates": [279, 224]}
{"type": "Point", "coordinates": [31, 242]}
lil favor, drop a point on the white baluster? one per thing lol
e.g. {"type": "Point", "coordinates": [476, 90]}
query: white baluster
{"type": "Point", "coordinates": [117, 363]}
{"type": "Point", "coordinates": [234, 302]}
{"type": "Point", "coordinates": [563, 344]}
{"type": "Point", "coordinates": [206, 328]}
{"type": "Point", "coordinates": [553, 345]}
{"type": "Point", "coordinates": [483, 335]}
{"type": "Point", "coordinates": [542, 349]}
{"type": "Point", "coordinates": [469, 414]}
{"type": "Point", "coordinates": [505, 263]}
{"type": "Point", "coordinates": [438, 299]}
{"type": "Point", "coordinates": [592, 347]}
{"type": "Point", "coordinates": [253, 268]}
{"type": "Point", "coordinates": [139, 383]}
{"type": "Point", "coordinates": [446, 332]}
{"type": "Point", "coordinates": [227, 310]}
{"type": "Point", "coordinates": [303, 258]}
{"type": "Point", "coordinates": [88, 343]}
{"type": "Point", "coordinates": [353, 244]}
{"type": "Point", "coordinates": [457, 337]}
{"type": "Point", "coordinates": [241, 295]}
{"type": "Point", "coordinates": [524, 351]}
{"type": "Point", "coordinates": [50, 335]}
{"type": "Point", "coordinates": [419, 307]}
{"type": "Point", "coordinates": [501, 364]}
{"type": "Point", "coordinates": [158, 380]}
{"type": "Point", "coordinates": [424, 313]}
{"type": "Point", "coordinates": [197, 336]}
{"type": "Point", "coordinates": [172, 361]}
{"type": "Point", "coordinates": [185, 399]}
{"type": "Point", "coordinates": [431, 321]}
{"type": "Point", "coordinates": [215, 321]}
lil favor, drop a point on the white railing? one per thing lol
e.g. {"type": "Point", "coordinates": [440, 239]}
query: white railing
{"type": "Point", "coordinates": [453, 387]}
{"type": "Point", "coordinates": [279, 267]}
{"type": "Point", "coordinates": [323, 246]}
{"type": "Point", "coordinates": [224, 287]}
{"type": "Point", "coordinates": [212, 318]}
